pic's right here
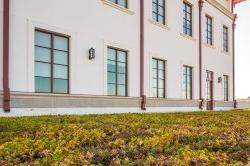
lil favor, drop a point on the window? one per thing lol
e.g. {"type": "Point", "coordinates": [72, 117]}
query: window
{"type": "Point", "coordinates": [226, 87]}
{"type": "Point", "coordinates": [117, 72]}
{"type": "Point", "coordinates": [225, 38]}
{"type": "Point", "coordinates": [51, 63]}
{"type": "Point", "coordinates": [188, 82]}
{"type": "Point", "coordinates": [209, 30]}
{"type": "Point", "coordinates": [187, 19]}
{"type": "Point", "coordinates": [158, 11]}
{"type": "Point", "coordinates": [158, 79]}
{"type": "Point", "coordinates": [122, 3]}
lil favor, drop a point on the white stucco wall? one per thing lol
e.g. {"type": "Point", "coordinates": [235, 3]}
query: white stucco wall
{"type": "Point", "coordinates": [1, 45]}
{"type": "Point", "coordinates": [214, 59]}
{"type": "Point", "coordinates": [92, 23]}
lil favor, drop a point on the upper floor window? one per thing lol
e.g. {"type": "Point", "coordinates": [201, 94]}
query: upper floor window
{"type": "Point", "coordinates": [226, 87]}
{"type": "Point", "coordinates": [123, 3]}
{"type": "Point", "coordinates": [209, 30]}
{"type": "Point", "coordinates": [51, 63]}
{"type": "Point", "coordinates": [187, 19]}
{"type": "Point", "coordinates": [225, 38]}
{"type": "Point", "coordinates": [158, 11]}
{"type": "Point", "coordinates": [117, 72]}
{"type": "Point", "coordinates": [188, 82]}
{"type": "Point", "coordinates": [158, 79]}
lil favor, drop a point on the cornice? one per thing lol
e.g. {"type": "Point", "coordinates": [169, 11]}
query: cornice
{"type": "Point", "coordinates": [221, 8]}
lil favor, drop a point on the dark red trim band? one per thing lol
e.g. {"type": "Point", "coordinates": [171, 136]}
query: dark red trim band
{"type": "Point", "coordinates": [200, 3]}
{"type": "Point", "coordinates": [143, 96]}
{"type": "Point", "coordinates": [6, 89]}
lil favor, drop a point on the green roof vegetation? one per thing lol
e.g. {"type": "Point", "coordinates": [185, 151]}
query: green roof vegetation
{"type": "Point", "coordinates": [201, 138]}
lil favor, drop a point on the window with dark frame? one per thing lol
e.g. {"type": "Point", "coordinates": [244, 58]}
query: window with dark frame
{"type": "Point", "coordinates": [188, 82]}
{"type": "Point", "coordinates": [158, 78]}
{"type": "Point", "coordinates": [209, 30]}
{"type": "Point", "coordinates": [158, 11]}
{"type": "Point", "coordinates": [187, 19]}
{"type": "Point", "coordinates": [51, 63]}
{"type": "Point", "coordinates": [226, 87]}
{"type": "Point", "coordinates": [117, 72]}
{"type": "Point", "coordinates": [225, 38]}
{"type": "Point", "coordinates": [123, 3]}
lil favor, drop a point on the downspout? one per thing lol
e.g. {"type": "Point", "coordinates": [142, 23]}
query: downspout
{"type": "Point", "coordinates": [233, 50]}
{"type": "Point", "coordinates": [6, 89]}
{"type": "Point", "coordinates": [143, 96]}
{"type": "Point", "coordinates": [200, 2]}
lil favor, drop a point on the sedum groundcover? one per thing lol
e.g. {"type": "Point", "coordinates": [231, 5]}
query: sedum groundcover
{"type": "Point", "coordinates": [201, 138]}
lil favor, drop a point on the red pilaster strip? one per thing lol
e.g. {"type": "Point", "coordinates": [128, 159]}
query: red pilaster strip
{"type": "Point", "coordinates": [6, 91]}
{"type": "Point", "coordinates": [200, 3]}
{"type": "Point", "coordinates": [233, 30]}
{"type": "Point", "coordinates": [143, 96]}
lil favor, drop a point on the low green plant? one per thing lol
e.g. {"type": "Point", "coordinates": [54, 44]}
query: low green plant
{"type": "Point", "coordinates": [198, 138]}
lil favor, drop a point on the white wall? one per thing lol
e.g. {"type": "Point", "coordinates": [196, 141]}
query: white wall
{"type": "Point", "coordinates": [91, 23]}
{"type": "Point", "coordinates": [214, 59]}
{"type": "Point", "coordinates": [1, 44]}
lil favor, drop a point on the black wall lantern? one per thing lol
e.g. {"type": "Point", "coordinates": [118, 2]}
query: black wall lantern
{"type": "Point", "coordinates": [220, 80]}
{"type": "Point", "coordinates": [91, 53]}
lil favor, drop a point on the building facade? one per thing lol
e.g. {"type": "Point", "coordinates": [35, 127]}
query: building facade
{"type": "Point", "coordinates": [112, 56]}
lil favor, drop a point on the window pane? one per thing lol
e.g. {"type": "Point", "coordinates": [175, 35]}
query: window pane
{"type": "Point", "coordinates": [60, 57]}
{"type": "Point", "coordinates": [42, 54]}
{"type": "Point", "coordinates": [111, 78]}
{"type": "Point", "coordinates": [121, 79]}
{"type": "Point", "coordinates": [160, 19]}
{"type": "Point", "coordinates": [154, 16]}
{"type": "Point", "coordinates": [111, 66]}
{"type": "Point", "coordinates": [111, 89]}
{"type": "Point", "coordinates": [161, 2]}
{"type": "Point", "coordinates": [121, 68]}
{"type": "Point", "coordinates": [121, 56]}
{"type": "Point", "coordinates": [161, 93]}
{"type": "Point", "coordinates": [42, 69]}
{"type": "Point", "coordinates": [60, 43]}
{"type": "Point", "coordinates": [161, 11]}
{"type": "Point", "coordinates": [121, 90]}
{"type": "Point", "coordinates": [154, 92]}
{"type": "Point", "coordinates": [154, 83]}
{"type": "Point", "coordinates": [154, 63]}
{"type": "Point", "coordinates": [122, 3]}
{"type": "Point", "coordinates": [154, 7]}
{"type": "Point", "coordinates": [60, 86]}
{"type": "Point", "coordinates": [161, 74]}
{"type": "Point", "coordinates": [161, 84]}
{"type": "Point", "coordinates": [42, 84]}
{"type": "Point", "coordinates": [154, 73]}
{"type": "Point", "coordinates": [42, 39]}
{"type": "Point", "coordinates": [60, 71]}
{"type": "Point", "coordinates": [111, 54]}
{"type": "Point", "coordinates": [161, 65]}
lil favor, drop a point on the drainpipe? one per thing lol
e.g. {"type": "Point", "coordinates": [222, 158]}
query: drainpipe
{"type": "Point", "coordinates": [233, 50]}
{"type": "Point", "coordinates": [142, 94]}
{"type": "Point", "coordinates": [6, 89]}
{"type": "Point", "coordinates": [200, 2]}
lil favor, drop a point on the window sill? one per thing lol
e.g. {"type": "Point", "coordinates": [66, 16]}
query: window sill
{"type": "Point", "coordinates": [159, 24]}
{"type": "Point", "coordinates": [125, 10]}
{"type": "Point", "coordinates": [226, 53]}
{"type": "Point", "coordinates": [188, 37]}
{"type": "Point", "coordinates": [209, 46]}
